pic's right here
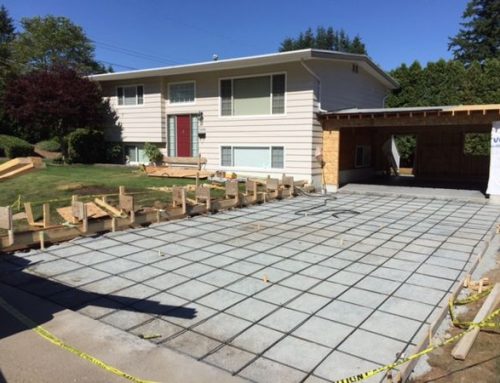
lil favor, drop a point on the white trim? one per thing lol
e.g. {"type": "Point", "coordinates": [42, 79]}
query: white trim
{"type": "Point", "coordinates": [251, 168]}
{"type": "Point", "coordinates": [181, 103]}
{"type": "Point", "coordinates": [247, 116]}
{"type": "Point", "coordinates": [136, 97]}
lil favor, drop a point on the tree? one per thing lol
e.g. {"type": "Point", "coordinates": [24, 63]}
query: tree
{"type": "Point", "coordinates": [479, 37]}
{"type": "Point", "coordinates": [49, 104]}
{"type": "Point", "coordinates": [446, 83]}
{"type": "Point", "coordinates": [51, 41]}
{"type": "Point", "coordinates": [328, 39]}
{"type": "Point", "coordinates": [7, 34]}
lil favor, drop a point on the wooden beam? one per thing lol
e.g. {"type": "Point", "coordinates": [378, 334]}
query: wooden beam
{"type": "Point", "coordinates": [462, 348]}
{"type": "Point", "coordinates": [108, 207]}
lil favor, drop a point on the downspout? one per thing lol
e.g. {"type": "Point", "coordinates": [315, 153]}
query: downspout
{"type": "Point", "coordinates": [316, 77]}
{"type": "Point", "coordinates": [319, 156]}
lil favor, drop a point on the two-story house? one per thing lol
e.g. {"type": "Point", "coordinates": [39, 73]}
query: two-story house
{"type": "Point", "coordinates": [252, 115]}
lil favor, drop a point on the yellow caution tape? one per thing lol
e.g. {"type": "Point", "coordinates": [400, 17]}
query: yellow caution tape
{"type": "Point", "coordinates": [470, 326]}
{"type": "Point", "coordinates": [47, 335]}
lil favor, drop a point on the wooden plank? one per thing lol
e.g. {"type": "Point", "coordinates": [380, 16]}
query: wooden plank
{"type": "Point", "coordinates": [202, 193]}
{"type": "Point", "coordinates": [179, 197]}
{"type": "Point", "coordinates": [16, 171]}
{"type": "Point", "coordinates": [106, 206]}
{"type": "Point", "coordinates": [232, 189]}
{"type": "Point", "coordinates": [463, 347]}
{"type": "Point", "coordinates": [6, 217]}
{"type": "Point", "coordinates": [272, 184]}
{"type": "Point", "coordinates": [93, 211]}
{"type": "Point", "coordinates": [126, 203]}
{"type": "Point", "coordinates": [29, 215]}
{"type": "Point", "coordinates": [162, 171]}
{"type": "Point", "coordinates": [46, 215]}
{"type": "Point", "coordinates": [185, 160]}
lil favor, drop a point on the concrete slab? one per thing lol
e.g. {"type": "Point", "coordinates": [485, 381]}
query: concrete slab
{"type": "Point", "coordinates": [227, 288]}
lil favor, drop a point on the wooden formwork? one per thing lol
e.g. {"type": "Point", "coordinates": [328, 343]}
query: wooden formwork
{"type": "Point", "coordinates": [127, 215]}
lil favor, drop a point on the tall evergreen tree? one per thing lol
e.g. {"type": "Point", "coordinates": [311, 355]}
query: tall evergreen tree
{"type": "Point", "coordinates": [7, 34]}
{"type": "Point", "coordinates": [324, 38]}
{"type": "Point", "coordinates": [479, 37]}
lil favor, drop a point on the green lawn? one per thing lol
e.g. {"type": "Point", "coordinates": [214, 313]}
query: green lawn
{"type": "Point", "coordinates": [57, 183]}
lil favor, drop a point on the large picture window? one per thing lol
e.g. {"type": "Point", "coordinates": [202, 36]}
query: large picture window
{"type": "Point", "coordinates": [264, 157]}
{"type": "Point", "coordinates": [130, 95]}
{"type": "Point", "coordinates": [249, 96]}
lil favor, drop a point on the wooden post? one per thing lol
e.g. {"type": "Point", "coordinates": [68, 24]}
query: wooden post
{"type": "Point", "coordinates": [41, 236]}
{"type": "Point", "coordinates": [85, 221]}
{"type": "Point", "coordinates": [197, 179]}
{"type": "Point", "coordinates": [132, 216]}
{"type": "Point", "coordinates": [46, 215]}
{"type": "Point", "coordinates": [113, 224]}
{"type": "Point", "coordinates": [121, 190]}
{"type": "Point", "coordinates": [6, 222]}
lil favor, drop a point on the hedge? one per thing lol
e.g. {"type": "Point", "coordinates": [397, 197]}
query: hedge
{"type": "Point", "coordinates": [13, 147]}
{"type": "Point", "coordinates": [85, 146]}
{"type": "Point", "coordinates": [52, 145]}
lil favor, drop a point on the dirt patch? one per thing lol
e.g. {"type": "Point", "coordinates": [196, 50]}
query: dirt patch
{"type": "Point", "coordinates": [92, 190]}
{"type": "Point", "coordinates": [482, 363]}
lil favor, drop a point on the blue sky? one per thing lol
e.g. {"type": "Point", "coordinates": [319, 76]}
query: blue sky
{"type": "Point", "coordinates": [151, 33]}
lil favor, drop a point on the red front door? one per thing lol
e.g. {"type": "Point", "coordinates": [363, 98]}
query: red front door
{"type": "Point", "coordinates": [184, 136]}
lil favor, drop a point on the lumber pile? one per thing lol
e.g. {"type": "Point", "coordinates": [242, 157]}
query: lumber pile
{"type": "Point", "coordinates": [18, 166]}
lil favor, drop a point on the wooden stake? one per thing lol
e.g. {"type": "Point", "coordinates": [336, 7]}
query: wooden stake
{"type": "Point", "coordinates": [113, 224]}
{"type": "Point", "coordinates": [85, 221]}
{"type": "Point", "coordinates": [41, 236]}
{"type": "Point", "coordinates": [46, 215]}
{"type": "Point", "coordinates": [121, 190]}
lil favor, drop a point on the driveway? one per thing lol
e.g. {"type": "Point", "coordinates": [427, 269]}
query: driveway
{"type": "Point", "coordinates": [298, 290]}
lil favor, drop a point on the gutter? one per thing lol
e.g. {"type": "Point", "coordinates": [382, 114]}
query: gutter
{"type": "Point", "coordinates": [312, 73]}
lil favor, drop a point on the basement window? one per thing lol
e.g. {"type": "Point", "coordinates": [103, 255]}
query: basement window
{"type": "Point", "coordinates": [363, 156]}
{"type": "Point", "coordinates": [262, 157]}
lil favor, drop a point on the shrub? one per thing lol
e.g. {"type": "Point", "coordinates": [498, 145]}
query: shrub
{"type": "Point", "coordinates": [13, 147]}
{"type": "Point", "coordinates": [153, 153]}
{"type": "Point", "coordinates": [114, 153]}
{"type": "Point", "coordinates": [85, 146]}
{"type": "Point", "coordinates": [52, 145]}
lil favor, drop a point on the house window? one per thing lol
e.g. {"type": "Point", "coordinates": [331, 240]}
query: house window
{"type": "Point", "coordinates": [135, 154]}
{"type": "Point", "coordinates": [130, 95]}
{"type": "Point", "coordinates": [181, 93]}
{"type": "Point", "coordinates": [363, 156]}
{"type": "Point", "coordinates": [264, 157]}
{"type": "Point", "coordinates": [248, 96]}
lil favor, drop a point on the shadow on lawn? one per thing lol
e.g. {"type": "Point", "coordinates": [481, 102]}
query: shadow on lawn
{"type": "Point", "coordinates": [12, 272]}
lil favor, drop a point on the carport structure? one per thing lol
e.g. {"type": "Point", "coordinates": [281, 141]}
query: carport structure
{"type": "Point", "coordinates": [354, 140]}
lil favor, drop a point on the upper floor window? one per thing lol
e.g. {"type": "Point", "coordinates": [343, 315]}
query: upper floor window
{"type": "Point", "coordinates": [130, 95]}
{"type": "Point", "coordinates": [181, 93]}
{"type": "Point", "coordinates": [253, 95]}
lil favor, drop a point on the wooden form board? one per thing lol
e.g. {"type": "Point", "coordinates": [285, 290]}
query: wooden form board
{"type": "Point", "coordinates": [126, 202]}
{"type": "Point", "coordinates": [6, 218]}
{"type": "Point", "coordinates": [68, 213]}
{"type": "Point", "coordinates": [232, 189]}
{"type": "Point", "coordinates": [162, 171]}
{"type": "Point", "coordinates": [462, 348]}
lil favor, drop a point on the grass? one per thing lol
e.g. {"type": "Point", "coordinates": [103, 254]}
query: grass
{"type": "Point", "coordinates": [57, 183]}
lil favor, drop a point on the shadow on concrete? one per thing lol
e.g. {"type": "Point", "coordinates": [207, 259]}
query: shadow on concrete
{"type": "Point", "coordinates": [2, 378]}
{"type": "Point", "coordinates": [12, 273]}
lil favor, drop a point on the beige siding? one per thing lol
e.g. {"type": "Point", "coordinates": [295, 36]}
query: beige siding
{"type": "Point", "coordinates": [342, 88]}
{"type": "Point", "coordinates": [140, 123]}
{"type": "Point", "coordinates": [292, 130]}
